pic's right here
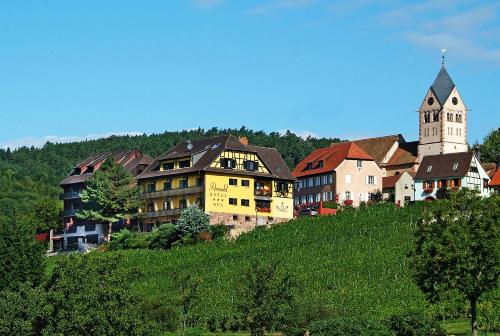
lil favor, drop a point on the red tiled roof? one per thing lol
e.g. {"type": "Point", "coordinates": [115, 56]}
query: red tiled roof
{"type": "Point", "coordinates": [331, 157]}
{"type": "Point", "coordinates": [390, 181]}
{"type": "Point", "coordinates": [495, 180]}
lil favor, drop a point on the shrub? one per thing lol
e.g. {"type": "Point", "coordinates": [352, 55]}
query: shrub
{"type": "Point", "coordinates": [164, 237]}
{"type": "Point", "coordinates": [165, 317]}
{"type": "Point", "coordinates": [192, 221]}
{"type": "Point", "coordinates": [219, 231]}
{"type": "Point", "coordinates": [442, 193]}
{"type": "Point", "coordinates": [330, 205]}
{"type": "Point", "coordinates": [489, 314]}
{"type": "Point", "coordinates": [348, 327]}
{"type": "Point", "coordinates": [415, 324]}
{"type": "Point", "coordinates": [127, 240]}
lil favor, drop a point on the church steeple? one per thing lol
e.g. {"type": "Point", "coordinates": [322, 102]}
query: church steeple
{"type": "Point", "coordinates": [442, 118]}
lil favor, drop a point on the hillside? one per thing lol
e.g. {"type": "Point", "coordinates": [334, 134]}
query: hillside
{"type": "Point", "coordinates": [350, 264]}
{"type": "Point", "coordinates": [28, 174]}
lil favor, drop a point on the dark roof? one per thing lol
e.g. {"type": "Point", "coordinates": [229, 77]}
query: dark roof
{"type": "Point", "coordinates": [325, 160]}
{"type": "Point", "coordinates": [442, 86]}
{"type": "Point", "coordinates": [128, 159]}
{"type": "Point", "coordinates": [209, 149]}
{"type": "Point", "coordinates": [378, 147]}
{"type": "Point", "coordinates": [406, 153]}
{"type": "Point", "coordinates": [442, 166]}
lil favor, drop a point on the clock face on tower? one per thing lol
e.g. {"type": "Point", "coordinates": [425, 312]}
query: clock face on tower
{"type": "Point", "coordinates": [430, 101]}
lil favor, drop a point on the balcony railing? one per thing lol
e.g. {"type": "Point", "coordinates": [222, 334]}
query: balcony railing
{"type": "Point", "coordinates": [171, 192]}
{"type": "Point", "coordinates": [70, 212]}
{"type": "Point", "coordinates": [69, 195]}
{"type": "Point", "coordinates": [161, 213]}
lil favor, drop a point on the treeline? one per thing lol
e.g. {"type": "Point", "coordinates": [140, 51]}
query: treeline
{"type": "Point", "coordinates": [27, 174]}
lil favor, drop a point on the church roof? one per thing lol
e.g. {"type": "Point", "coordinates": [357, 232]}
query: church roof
{"type": "Point", "coordinates": [442, 86]}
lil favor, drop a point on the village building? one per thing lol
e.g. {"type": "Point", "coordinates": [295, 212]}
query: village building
{"type": "Point", "coordinates": [236, 184]}
{"type": "Point", "coordinates": [399, 188]}
{"type": "Point", "coordinates": [338, 173]}
{"type": "Point", "coordinates": [495, 178]}
{"type": "Point", "coordinates": [76, 233]}
{"type": "Point", "coordinates": [450, 171]}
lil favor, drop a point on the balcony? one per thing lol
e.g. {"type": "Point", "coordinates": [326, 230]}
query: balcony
{"type": "Point", "coordinates": [69, 195]}
{"type": "Point", "coordinates": [161, 213]}
{"type": "Point", "coordinates": [263, 191]}
{"type": "Point", "coordinates": [171, 192]}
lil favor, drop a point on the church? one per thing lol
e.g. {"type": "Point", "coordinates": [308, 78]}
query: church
{"type": "Point", "coordinates": [442, 158]}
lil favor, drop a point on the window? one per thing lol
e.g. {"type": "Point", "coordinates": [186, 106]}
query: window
{"type": "Point", "coordinates": [455, 166]}
{"type": "Point", "coordinates": [330, 179]}
{"type": "Point", "coordinates": [310, 199]}
{"type": "Point", "coordinates": [370, 179]}
{"type": "Point", "coordinates": [429, 168]}
{"type": "Point", "coordinates": [228, 163]}
{"type": "Point", "coordinates": [245, 183]}
{"type": "Point", "coordinates": [89, 227]}
{"type": "Point", "coordinates": [359, 163]}
{"type": "Point", "coordinates": [233, 201]}
{"type": "Point", "coordinates": [247, 218]}
{"type": "Point", "coordinates": [184, 164]}
{"type": "Point", "coordinates": [233, 182]}
{"type": "Point", "coordinates": [151, 207]}
{"type": "Point", "coordinates": [182, 203]}
{"type": "Point", "coordinates": [250, 165]}
{"type": "Point", "coordinates": [151, 187]}
{"type": "Point", "coordinates": [435, 116]}
{"type": "Point", "coordinates": [183, 183]}
{"type": "Point", "coordinates": [348, 195]}
{"type": "Point", "coordinates": [245, 202]}
{"type": "Point", "coordinates": [167, 205]}
{"type": "Point", "coordinates": [310, 182]}
{"type": "Point", "coordinates": [321, 164]}
{"type": "Point", "coordinates": [428, 184]}
{"type": "Point", "coordinates": [167, 185]}
{"type": "Point", "coordinates": [92, 239]}
{"type": "Point", "coordinates": [485, 183]}
{"type": "Point", "coordinates": [348, 179]}
{"type": "Point", "coordinates": [199, 202]}
{"type": "Point", "coordinates": [199, 181]}
{"type": "Point", "coordinates": [317, 181]}
{"type": "Point", "coordinates": [282, 186]}
{"type": "Point", "coordinates": [168, 166]}
{"type": "Point", "coordinates": [235, 217]}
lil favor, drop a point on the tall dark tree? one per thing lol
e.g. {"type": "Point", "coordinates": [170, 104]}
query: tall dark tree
{"type": "Point", "coordinates": [47, 214]}
{"type": "Point", "coordinates": [456, 248]}
{"type": "Point", "coordinates": [21, 257]}
{"type": "Point", "coordinates": [110, 195]}
{"type": "Point", "coordinates": [490, 149]}
{"type": "Point", "coordinates": [266, 297]}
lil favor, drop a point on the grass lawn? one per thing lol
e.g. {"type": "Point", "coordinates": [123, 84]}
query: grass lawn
{"type": "Point", "coordinates": [461, 327]}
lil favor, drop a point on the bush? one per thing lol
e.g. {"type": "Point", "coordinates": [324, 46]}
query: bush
{"type": "Point", "coordinates": [415, 324]}
{"type": "Point", "coordinates": [442, 193]}
{"type": "Point", "coordinates": [127, 240]}
{"type": "Point", "coordinates": [165, 317]}
{"type": "Point", "coordinates": [219, 231]}
{"type": "Point", "coordinates": [164, 237]}
{"type": "Point", "coordinates": [330, 205]}
{"type": "Point", "coordinates": [192, 221]}
{"type": "Point", "coordinates": [348, 327]}
{"type": "Point", "coordinates": [489, 313]}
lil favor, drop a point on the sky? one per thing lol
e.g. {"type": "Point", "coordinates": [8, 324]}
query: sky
{"type": "Point", "coordinates": [71, 70]}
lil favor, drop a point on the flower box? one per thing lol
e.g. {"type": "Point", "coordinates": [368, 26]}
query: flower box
{"type": "Point", "coordinates": [268, 210]}
{"type": "Point", "coordinates": [348, 202]}
{"type": "Point", "coordinates": [428, 190]}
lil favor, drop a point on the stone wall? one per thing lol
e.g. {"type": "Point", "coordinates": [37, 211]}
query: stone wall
{"type": "Point", "coordinates": [242, 223]}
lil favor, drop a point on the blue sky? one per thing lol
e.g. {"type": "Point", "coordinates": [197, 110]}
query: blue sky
{"type": "Point", "coordinates": [349, 69]}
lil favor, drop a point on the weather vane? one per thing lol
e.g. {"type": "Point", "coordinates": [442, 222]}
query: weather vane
{"type": "Point", "coordinates": [443, 51]}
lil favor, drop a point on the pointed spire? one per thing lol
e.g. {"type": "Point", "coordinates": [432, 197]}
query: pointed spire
{"type": "Point", "coordinates": [443, 84]}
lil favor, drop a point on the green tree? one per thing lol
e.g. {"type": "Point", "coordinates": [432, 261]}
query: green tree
{"type": "Point", "coordinates": [188, 286]}
{"type": "Point", "coordinates": [164, 237]}
{"type": "Point", "coordinates": [21, 257]}
{"type": "Point", "coordinates": [490, 149]}
{"type": "Point", "coordinates": [47, 214]}
{"type": "Point", "coordinates": [192, 221]}
{"type": "Point", "coordinates": [456, 248]}
{"type": "Point", "coordinates": [266, 297]}
{"type": "Point", "coordinates": [90, 295]}
{"type": "Point", "coordinates": [110, 195]}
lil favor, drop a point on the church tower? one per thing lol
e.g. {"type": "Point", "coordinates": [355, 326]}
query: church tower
{"type": "Point", "coordinates": [442, 119]}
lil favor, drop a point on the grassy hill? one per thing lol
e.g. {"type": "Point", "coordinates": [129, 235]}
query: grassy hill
{"type": "Point", "coordinates": [350, 264]}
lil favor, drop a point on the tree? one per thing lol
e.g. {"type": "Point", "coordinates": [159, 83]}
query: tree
{"type": "Point", "coordinates": [266, 297]}
{"type": "Point", "coordinates": [164, 237]}
{"type": "Point", "coordinates": [47, 214]}
{"type": "Point", "coordinates": [21, 257]}
{"type": "Point", "coordinates": [192, 221]}
{"type": "Point", "coordinates": [188, 286]}
{"type": "Point", "coordinates": [490, 149]}
{"type": "Point", "coordinates": [456, 248]}
{"type": "Point", "coordinates": [90, 295]}
{"type": "Point", "coordinates": [110, 195]}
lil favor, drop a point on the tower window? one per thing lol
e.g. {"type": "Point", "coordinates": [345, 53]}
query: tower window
{"type": "Point", "coordinates": [454, 100]}
{"type": "Point", "coordinates": [430, 101]}
{"type": "Point", "coordinates": [435, 116]}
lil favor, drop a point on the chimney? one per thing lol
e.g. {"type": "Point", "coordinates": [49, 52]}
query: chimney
{"type": "Point", "coordinates": [244, 140]}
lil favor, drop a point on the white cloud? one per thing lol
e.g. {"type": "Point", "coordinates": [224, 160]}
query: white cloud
{"type": "Point", "coordinates": [39, 142]}
{"type": "Point", "coordinates": [279, 5]}
{"type": "Point", "coordinates": [206, 3]}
